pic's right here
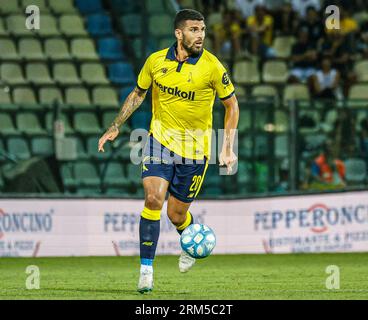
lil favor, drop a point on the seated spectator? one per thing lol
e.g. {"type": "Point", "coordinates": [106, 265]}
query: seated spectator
{"type": "Point", "coordinates": [229, 30]}
{"type": "Point", "coordinates": [325, 81]}
{"type": "Point", "coordinates": [314, 25]}
{"type": "Point", "coordinates": [260, 28]}
{"type": "Point", "coordinates": [327, 169]}
{"type": "Point", "coordinates": [304, 58]}
{"type": "Point", "coordinates": [335, 47]}
{"type": "Point", "coordinates": [286, 20]}
{"type": "Point", "coordinates": [362, 41]}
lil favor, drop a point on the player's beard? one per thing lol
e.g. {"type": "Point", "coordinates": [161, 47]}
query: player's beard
{"type": "Point", "coordinates": [191, 49]}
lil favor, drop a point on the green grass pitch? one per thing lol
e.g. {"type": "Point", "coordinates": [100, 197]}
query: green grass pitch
{"type": "Point", "coordinates": [294, 276]}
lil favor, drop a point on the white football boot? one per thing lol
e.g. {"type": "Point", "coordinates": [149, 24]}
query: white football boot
{"type": "Point", "coordinates": [186, 262]}
{"type": "Point", "coordinates": [145, 283]}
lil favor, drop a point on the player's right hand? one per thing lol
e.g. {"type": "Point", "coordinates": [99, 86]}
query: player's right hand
{"type": "Point", "coordinates": [110, 135]}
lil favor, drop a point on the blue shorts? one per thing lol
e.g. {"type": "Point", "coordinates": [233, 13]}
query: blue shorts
{"type": "Point", "coordinates": [185, 176]}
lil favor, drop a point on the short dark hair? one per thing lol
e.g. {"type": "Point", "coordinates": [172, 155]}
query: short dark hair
{"type": "Point", "coordinates": [187, 14]}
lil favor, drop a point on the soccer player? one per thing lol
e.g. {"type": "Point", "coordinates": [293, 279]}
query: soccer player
{"type": "Point", "coordinates": [184, 79]}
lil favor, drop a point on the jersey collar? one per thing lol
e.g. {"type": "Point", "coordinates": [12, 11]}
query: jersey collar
{"type": "Point", "coordinates": [191, 59]}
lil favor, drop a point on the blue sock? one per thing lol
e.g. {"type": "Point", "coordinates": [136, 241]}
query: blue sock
{"type": "Point", "coordinates": [149, 231]}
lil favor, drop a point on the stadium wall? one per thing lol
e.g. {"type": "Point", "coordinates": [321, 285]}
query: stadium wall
{"type": "Point", "coordinates": [91, 227]}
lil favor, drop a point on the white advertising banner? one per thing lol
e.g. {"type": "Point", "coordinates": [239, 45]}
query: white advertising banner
{"type": "Point", "coordinates": [88, 227]}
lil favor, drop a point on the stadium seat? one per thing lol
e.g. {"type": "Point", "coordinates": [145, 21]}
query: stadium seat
{"type": "Point", "coordinates": [8, 50]}
{"type": "Point", "coordinates": [137, 47]}
{"type": "Point", "coordinates": [86, 174]}
{"type": "Point", "coordinates": [48, 27]}
{"type": "Point", "coordinates": [3, 31]}
{"type": "Point", "coordinates": [281, 121]}
{"type": "Point", "coordinates": [124, 93]}
{"type": "Point", "coordinates": [105, 97]}
{"type": "Point", "coordinates": [275, 72]}
{"type": "Point", "coordinates": [25, 96]}
{"type": "Point", "coordinates": [11, 73]}
{"type": "Point", "coordinates": [83, 49]}
{"type": "Point", "coordinates": [244, 172]}
{"type": "Point", "coordinates": [8, 7]}
{"type": "Point", "coordinates": [356, 171]}
{"type": "Point", "coordinates": [281, 146]}
{"type": "Point", "coordinates": [67, 175]}
{"type": "Point", "coordinates": [81, 149]}
{"type": "Point", "coordinates": [358, 95]}
{"type": "Point", "coordinates": [4, 96]}
{"type": "Point", "coordinates": [72, 25]}
{"type": "Point", "coordinates": [121, 73]}
{"type": "Point", "coordinates": [309, 121]}
{"type": "Point", "coordinates": [283, 45]}
{"type": "Point", "coordinates": [50, 95]}
{"type": "Point", "coordinates": [18, 147]}
{"type": "Point", "coordinates": [132, 24]}
{"type": "Point", "coordinates": [89, 7]}
{"type": "Point", "coordinates": [295, 92]}
{"type": "Point", "coordinates": [165, 42]}
{"type": "Point", "coordinates": [65, 73]}
{"type": "Point", "coordinates": [29, 124]}
{"type": "Point", "coordinates": [93, 73]}
{"type": "Point", "coordinates": [62, 7]}
{"type": "Point", "coordinates": [157, 25]}
{"type": "Point", "coordinates": [38, 73]}
{"type": "Point", "coordinates": [361, 70]}
{"type": "Point", "coordinates": [30, 49]}
{"type": "Point", "coordinates": [99, 25]}
{"type": "Point", "coordinates": [78, 97]}
{"type": "Point", "coordinates": [41, 4]}
{"type": "Point", "coordinates": [17, 27]}
{"type": "Point", "coordinates": [262, 91]}
{"type": "Point", "coordinates": [134, 173]}
{"type": "Point", "coordinates": [244, 121]}
{"type": "Point", "coordinates": [155, 7]}
{"type": "Point", "coordinates": [313, 140]}
{"type": "Point", "coordinates": [49, 123]}
{"type": "Point", "coordinates": [57, 49]}
{"type": "Point", "coordinates": [246, 72]}
{"type": "Point", "coordinates": [110, 49]}
{"type": "Point", "coordinates": [126, 6]}
{"type": "Point", "coordinates": [114, 175]}
{"type": "Point", "coordinates": [42, 146]}
{"type": "Point", "coordinates": [140, 120]}
{"type": "Point", "coordinates": [123, 151]}
{"type": "Point", "coordinates": [86, 123]}
{"type": "Point", "coordinates": [6, 125]}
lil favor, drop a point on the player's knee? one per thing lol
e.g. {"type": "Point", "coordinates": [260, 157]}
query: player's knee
{"type": "Point", "coordinates": [176, 218]}
{"type": "Point", "coordinates": [153, 202]}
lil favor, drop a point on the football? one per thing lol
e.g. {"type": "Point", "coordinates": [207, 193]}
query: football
{"type": "Point", "coordinates": [198, 240]}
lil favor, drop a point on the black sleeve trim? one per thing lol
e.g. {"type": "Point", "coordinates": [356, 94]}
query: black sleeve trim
{"type": "Point", "coordinates": [229, 96]}
{"type": "Point", "coordinates": [141, 88]}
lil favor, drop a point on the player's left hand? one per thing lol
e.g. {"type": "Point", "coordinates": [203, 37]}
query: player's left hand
{"type": "Point", "coordinates": [228, 159]}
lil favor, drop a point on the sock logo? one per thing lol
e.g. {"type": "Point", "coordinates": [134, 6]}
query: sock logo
{"type": "Point", "coordinates": [148, 243]}
{"type": "Point", "coordinates": [176, 92]}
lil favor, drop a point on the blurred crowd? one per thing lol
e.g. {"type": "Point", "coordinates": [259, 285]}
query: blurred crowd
{"type": "Point", "coordinates": [321, 57]}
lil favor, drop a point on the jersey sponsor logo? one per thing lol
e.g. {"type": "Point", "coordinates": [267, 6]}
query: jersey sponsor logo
{"type": "Point", "coordinates": [225, 79]}
{"type": "Point", "coordinates": [176, 92]}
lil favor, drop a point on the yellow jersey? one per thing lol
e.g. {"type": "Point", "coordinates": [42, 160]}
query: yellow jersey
{"type": "Point", "coordinates": [183, 94]}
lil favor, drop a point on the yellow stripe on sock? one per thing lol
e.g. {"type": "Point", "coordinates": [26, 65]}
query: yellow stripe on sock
{"type": "Point", "coordinates": [186, 223]}
{"type": "Point", "coordinates": [151, 214]}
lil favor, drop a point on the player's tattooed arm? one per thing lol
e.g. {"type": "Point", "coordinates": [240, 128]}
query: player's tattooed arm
{"type": "Point", "coordinates": [227, 155]}
{"type": "Point", "coordinates": [132, 102]}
